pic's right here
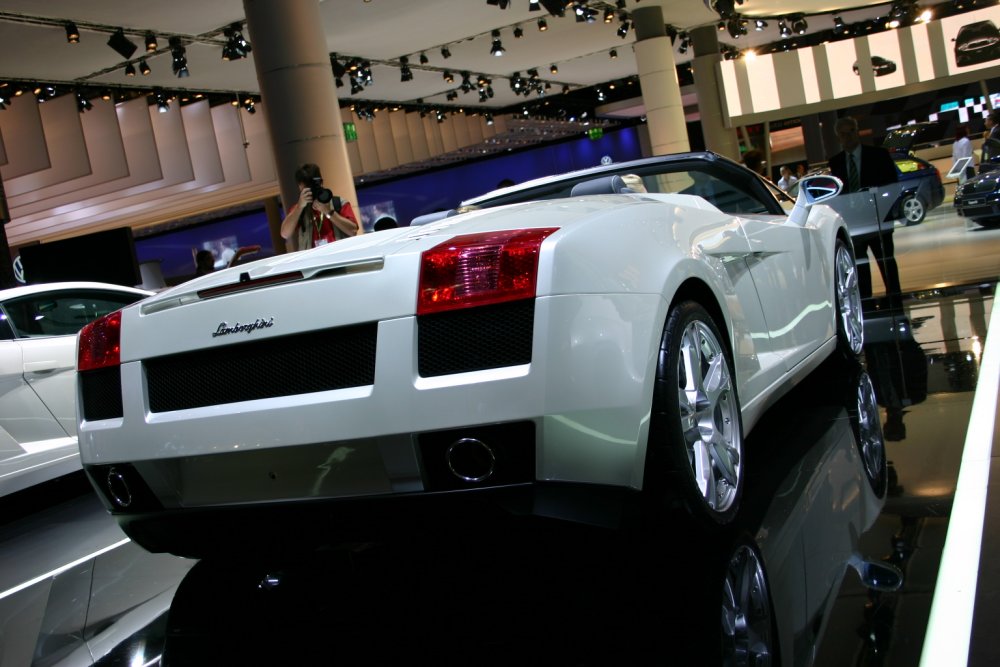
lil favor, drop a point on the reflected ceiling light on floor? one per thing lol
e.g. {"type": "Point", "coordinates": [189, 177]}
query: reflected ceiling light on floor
{"type": "Point", "coordinates": [129, 69]}
{"type": "Point", "coordinates": [150, 42]}
{"type": "Point", "coordinates": [122, 44]}
{"type": "Point", "coordinates": [543, 25]}
{"type": "Point", "coordinates": [72, 34]}
{"type": "Point", "coordinates": [143, 67]}
{"type": "Point", "coordinates": [496, 49]}
{"type": "Point", "coordinates": [179, 64]}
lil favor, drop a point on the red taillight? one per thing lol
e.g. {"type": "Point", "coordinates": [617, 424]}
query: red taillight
{"type": "Point", "coordinates": [480, 269]}
{"type": "Point", "coordinates": [100, 343]}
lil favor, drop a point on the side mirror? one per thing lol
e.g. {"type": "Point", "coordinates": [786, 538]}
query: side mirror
{"type": "Point", "coordinates": [814, 190]}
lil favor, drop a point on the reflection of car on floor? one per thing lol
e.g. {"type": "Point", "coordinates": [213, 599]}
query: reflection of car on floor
{"type": "Point", "coordinates": [605, 343]}
{"type": "Point", "coordinates": [880, 66]}
{"type": "Point", "coordinates": [976, 43]}
{"type": "Point", "coordinates": [38, 326]}
{"type": "Point", "coordinates": [979, 199]}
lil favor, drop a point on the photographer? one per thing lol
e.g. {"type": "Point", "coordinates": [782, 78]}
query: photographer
{"type": "Point", "coordinates": [319, 216]}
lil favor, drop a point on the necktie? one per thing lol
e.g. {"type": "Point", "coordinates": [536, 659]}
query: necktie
{"type": "Point", "coordinates": [853, 179]}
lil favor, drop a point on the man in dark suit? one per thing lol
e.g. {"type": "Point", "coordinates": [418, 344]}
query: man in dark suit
{"type": "Point", "coordinates": [861, 167]}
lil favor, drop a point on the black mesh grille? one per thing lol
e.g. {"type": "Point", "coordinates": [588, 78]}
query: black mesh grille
{"type": "Point", "coordinates": [475, 338]}
{"type": "Point", "coordinates": [102, 393]}
{"type": "Point", "coordinates": [301, 364]}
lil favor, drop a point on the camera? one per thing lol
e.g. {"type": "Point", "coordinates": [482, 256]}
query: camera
{"type": "Point", "coordinates": [323, 195]}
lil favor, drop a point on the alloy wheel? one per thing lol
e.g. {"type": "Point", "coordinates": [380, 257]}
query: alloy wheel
{"type": "Point", "coordinates": [746, 612]}
{"type": "Point", "coordinates": [850, 323]}
{"type": "Point", "coordinates": [913, 210]}
{"type": "Point", "coordinates": [708, 416]}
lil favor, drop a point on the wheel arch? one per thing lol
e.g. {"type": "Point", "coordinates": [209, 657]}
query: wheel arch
{"type": "Point", "coordinates": [696, 289]}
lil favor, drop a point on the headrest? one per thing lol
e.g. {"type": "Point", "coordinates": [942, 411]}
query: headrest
{"type": "Point", "coordinates": [605, 185]}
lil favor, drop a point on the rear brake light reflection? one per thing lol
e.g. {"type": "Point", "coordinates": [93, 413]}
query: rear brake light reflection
{"type": "Point", "coordinates": [480, 269]}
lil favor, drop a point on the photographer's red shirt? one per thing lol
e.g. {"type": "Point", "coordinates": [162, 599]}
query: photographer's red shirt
{"type": "Point", "coordinates": [323, 231]}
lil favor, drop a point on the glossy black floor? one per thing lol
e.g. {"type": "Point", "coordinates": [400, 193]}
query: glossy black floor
{"type": "Point", "coordinates": [532, 591]}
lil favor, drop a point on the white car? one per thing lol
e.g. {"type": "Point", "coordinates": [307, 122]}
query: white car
{"type": "Point", "coordinates": [38, 326]}
{"type": "Point", "coordinates": [540, 356]}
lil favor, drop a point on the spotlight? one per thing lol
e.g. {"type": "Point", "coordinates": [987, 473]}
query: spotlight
{"type": "Point", "coordinates": [445, 53]}
{"type": "Point", "coordinates": [150, 42]}
{"type": "Point", "coordinates": [248, 106]}
{"type": "Point", "coordinates": [356, 86]}
{"type": "Point", "coordinates": [129, 70]}
{"type": "Point", "coordinates": [609, 15]}
{"type": "Point", "coordinates": [623, 29]}
{"type": "Point", "coordinates": [783, 28]}
{"type": "Point", "coordinates": [162, 101]}
{"type": "Point", "coordinates": [423, 58]}
{"type": "Point", "coordinates": [613, 54]}
{"type": "Point", "coordinates": [759, 24]}
{"type": "Point", "coordinates": [72, 34]}
{"type": "Point", "coordinates": [838, 26]}
{"type": "Point", "coordinates": [448, 77]}
{"type": "Point", "coordinates": [735, 27]}
{"type": "Point", "coordinates": [721, 25]}
{"type": "Point", "coordinates": [404, 69]}
{"type": "Point", "coordinates": [600, 95]}
{"type": "Point", "coordinates": [554, 69]}
{"type": "Point", "coordinates": [122, 44]}
{"type": "Point", "coordinates": [518, 33]}
{"type": "Point", "coordinates": [179, 64]}
{"type": "Point", "coordinates": [542, 25]}
{"type": "Point", "coordinates": [620, 4]}
{"type": "Point", "coordinates": [496, 48]}
{"type": "Point", "coordinates": [82, 103]}
{"type": "Point", "coordinates": [799, 25]}
{"type": "Point", "coordinates": [489, 118]}
{"type": "Point", "coordinates": [533, 6]}
{"type": "Point", "coordinates": [236, 46]}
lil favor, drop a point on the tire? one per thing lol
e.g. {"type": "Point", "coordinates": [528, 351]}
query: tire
{"type": "Point", "coordinates": [850, 323]}
{"type": "Point", "coordinates": [696, 433]}
{"type": "Point", "coordinates": [914, 210]}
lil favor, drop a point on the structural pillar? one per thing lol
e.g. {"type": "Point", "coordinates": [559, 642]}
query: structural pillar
{"type": "Point", "coordinates": [812, 135]}
{"type": "Point", "coordinates": [298, 95]}
{"type": "Point", "coordinates": [661, 93]}
{"type": "Point", "coordinates": [718, 137]}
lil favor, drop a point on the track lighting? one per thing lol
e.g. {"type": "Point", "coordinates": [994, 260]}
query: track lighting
{"type": "Point", "coordinates": [496, 48]}
{"type": "Point", "coordinates": [533, 6]}
{"type": "Point", "coordinates": [448, 77]}
{"type": "Point", "coordinates": [248, 106]}
{"type": "Point", "coordinates": [759, 24]}
{"type": "Point", "coordinates": [838, 26]}
{"type": "Point", "coordinates": [143, 67]}
{"type": "Point", "coordinates": [129, 69]}
{"type": "Point", "coordinates": [161, 100]}
{"type": "Point", "coordinates": [236, 46]}
{"type": "Point", "coordinates": [518, 33]}
{"type": "Point", "coordinates": [82, 103]}
{"type": "Point", "coordinates": [150, 42]}
{"type": "Point", "coordinates": [543, 25]}
{"type": "Point", "coordinates": [179, 64]}
{"type": "Point", "coordinates": [405, 74]}
{"type": "Point", "coordinates": [489, 118]}
{"type": "Point", "coordinates": [72, 34]}
{"type": "Point", "coordinates": [783, 28]}
{"type": "Point", "coordinates": [554, 69]}
{"type": "Point", "coordinates": [609, 15]}
{"type": "Point", "coordinates": [445, 52]}
{"type": "Point", "coordinates": [799, 25]}
{"type": "Point", "coordinates": [122, 44]}
{"type": "Point", "coordinates": [423, 58]}
{"type": "Point", "coordinates": [623, 29]}
{"type": "Point", "coordinates": [613, 54]}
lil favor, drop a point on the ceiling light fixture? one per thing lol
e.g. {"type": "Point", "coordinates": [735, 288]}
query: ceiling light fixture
{"type": "Point", "coordinates": [448, 77]}
{"type": "Point", "coordinates": [405, 74]}
{"type": "Point", "coordinates": [623, 29]}
{"type": "Point", "coordinates": [72, 34]}
{"type": "Point", "coordinates": [82, 103]}
{"type": "Point", "coordinates": [122, 44]}
{"type": "Point", "coordinates": [129, 69]}
{"type": "Point", "coordinates": [759, 24]}
{"type": "Point", "coordinates": [236, 46]}
{"type": "Point", "coordinates": [143, 67]}
{"type": "Point", "coordinates": [496, 49]}
{"type": "Point", "coordinates": [609, 15]}
{"type": "Point", "coordinates": [179, 64]}
{"type": "Point", "coordinates": [799, 25]}
{"type": "Point", "coordinates": [150, 42]}
{"type": "Point", "coordinates": [423, 58]}
{"type": "Point", "coordinates": [554, 69]}
{"type": "Point", "coordinates": [543, 25]}
{"type": "Point", "coordinates": [518, 33]}
{"type": "Point", "coordinates": [783, 28]}
{"type": "Point", "coordinates": [445, 52]}
{"type": "Point", "coordinates": [613, 54]}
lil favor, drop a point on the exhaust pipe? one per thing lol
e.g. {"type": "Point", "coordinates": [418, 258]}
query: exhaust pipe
{"type": "Point", "coordinates": [118, 488]}
{"type": "Point", "coordinates": [471, 460]}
